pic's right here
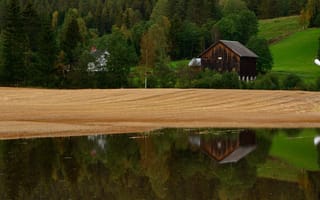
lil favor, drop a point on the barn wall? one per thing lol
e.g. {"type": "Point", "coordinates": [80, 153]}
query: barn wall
{"type": "Point", "coordinates": [248, 68]}
{"type": "Point", "coordinates": [221, 58]}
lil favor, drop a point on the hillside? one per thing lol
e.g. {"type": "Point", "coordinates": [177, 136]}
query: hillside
{"type": "Point", "coordinates": [296, 54]}
{"type": "Point", "coordinates": [277, 29]}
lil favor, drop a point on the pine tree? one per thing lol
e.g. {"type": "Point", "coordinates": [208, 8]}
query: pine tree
{"type": "Point", "coordinates": [31, 30]}
{"type": "Point", "coordinates": [13, 45]}
{"type": "Point", "coordinates": [71, 37]}
{"type": "Point", "coordinates": [47, 53]}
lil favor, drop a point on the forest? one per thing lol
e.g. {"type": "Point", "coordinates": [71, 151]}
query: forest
{"type": "Point", "coordinates": [117, 43]}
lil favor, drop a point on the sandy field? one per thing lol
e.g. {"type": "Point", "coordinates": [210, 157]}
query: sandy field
{"type": "Point", "coordinates": [52, 113]}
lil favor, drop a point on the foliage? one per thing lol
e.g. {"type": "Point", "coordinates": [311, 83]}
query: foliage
{"type": "Point", "coordinates": [13, 46]}
{"type": "Point", "coordinates": [230, 80]}
{"type": "Point", "coordinates": [118, 66]}
{"type": "Point", "coordinates": [233, 6]}
{"type": "Point", "coordinates": [212, 79]}
{"type": "Point", "coordinates": [293, 81]}
{"type": "Point", "coordinates": [268, 81]}
{"type": "Point", "coordinates": [310, 14]}
{"type": "Point", "coordinates": [157, 30]}
{"type": "Point", "coordinates": [318, 83]}
{"type": "Point", "coordinates": [239, 27]}
{"type": "Point", "coordinates": [261, 48]}
{"type": "Point", "coordinates": [159, 165]}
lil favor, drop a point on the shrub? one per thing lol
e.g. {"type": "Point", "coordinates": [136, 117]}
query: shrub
{"type": "Point", "coordinates": [318, 83]}
{"type": "Point", "coordinates": [230, 80]}
{"type": "Point", "coordinates": [293, 81]}
{"type": "Point", "coordinates": [267, 82]}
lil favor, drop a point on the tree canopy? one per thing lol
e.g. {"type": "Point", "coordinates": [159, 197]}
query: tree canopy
{"type": "Point", "coordinates": [49, 43]}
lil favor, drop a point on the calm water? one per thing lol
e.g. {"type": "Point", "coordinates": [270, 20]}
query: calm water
{"type": "Point", "coordinates": [166, 164]}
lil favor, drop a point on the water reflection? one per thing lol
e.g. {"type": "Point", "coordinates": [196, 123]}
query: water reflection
{"type": "Point", "coordinates": [166, 164]}
{"type": "Point", "coordinates": [228, 147]}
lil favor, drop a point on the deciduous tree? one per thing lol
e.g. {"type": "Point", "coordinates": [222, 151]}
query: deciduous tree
{"type": "Point", "coordinates": [261, 47]}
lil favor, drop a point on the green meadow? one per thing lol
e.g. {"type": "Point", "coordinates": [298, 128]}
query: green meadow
{"type": "Point", "coordinates": [292, 48]}
{"type": "Point", "coordinates": [296, 54]}
{"type": "Point", "coordinates": [278, 28]}
{"type": "Point", "coordinates": [289, 154]}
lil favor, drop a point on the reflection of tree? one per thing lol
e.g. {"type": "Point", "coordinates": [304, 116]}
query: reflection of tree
{"type": "Point", "coordinates": [292, 132]}
{"type": "Point", "coordinates": [310, 183]}
{"type": "Point", "coordinates": [161, 165]}
{"type": "Point", "coordinates": [318, 149]}
{"type": "Point", "coordinates": [192, 176]}
{"type": "Point", "coordinates": [25, 165]}
{"type": "Point", "coordinates": [236, 180]}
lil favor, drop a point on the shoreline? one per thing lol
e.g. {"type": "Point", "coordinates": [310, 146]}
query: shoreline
{"type": "Point", "coordinates": [28, 113]}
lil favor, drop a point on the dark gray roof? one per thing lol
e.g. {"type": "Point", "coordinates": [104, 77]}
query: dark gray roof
{"type": "Point", "coordinates": [238, 154]}
{"type": "Point", "coordinates": [236, 47]}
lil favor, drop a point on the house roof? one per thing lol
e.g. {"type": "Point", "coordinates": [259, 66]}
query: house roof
{"type": "Point", "coordinates": [234, 46]}
{"type": "Point", "coordinates": [238, 154]}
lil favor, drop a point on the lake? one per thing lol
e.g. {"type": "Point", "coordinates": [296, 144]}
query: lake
{"type": "Point", "coordinates": [165, 164]}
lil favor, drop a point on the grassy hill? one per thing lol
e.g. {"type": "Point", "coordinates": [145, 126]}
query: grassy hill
{"type": "Point", "coordinates": [296, 54]}
{"type": "Point", "coordinates": [276, 29]}
{"type": "Point", "coordinates": [293, 49]}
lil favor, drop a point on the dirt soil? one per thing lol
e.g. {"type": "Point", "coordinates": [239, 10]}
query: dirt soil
{"type": "Point", "coordinates": [50, 113]}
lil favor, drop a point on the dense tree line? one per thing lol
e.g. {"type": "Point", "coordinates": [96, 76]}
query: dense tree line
{"type": "Point", "coordinates": [50, 43]}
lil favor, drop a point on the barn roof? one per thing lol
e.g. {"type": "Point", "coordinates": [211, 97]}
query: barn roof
{"type": "Point", "coordinates": [234, 46]}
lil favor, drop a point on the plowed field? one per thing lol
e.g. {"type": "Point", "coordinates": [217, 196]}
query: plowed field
{"type": "Point", "coordinates": [42, 113]}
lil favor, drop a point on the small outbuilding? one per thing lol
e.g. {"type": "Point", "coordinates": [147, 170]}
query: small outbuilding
{"type": "Point", "coordinates": [228, 56]}
{"type": "Point", "coordinates": [226, 148]}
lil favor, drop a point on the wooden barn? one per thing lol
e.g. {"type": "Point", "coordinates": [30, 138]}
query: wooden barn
{"type": "Point", "coordinates": [229, 56]}
{"type": "Point", "coordinates": [228, 149]}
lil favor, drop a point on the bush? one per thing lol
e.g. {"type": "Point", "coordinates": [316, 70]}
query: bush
{"type": "Point", "coordinates": [294, 82]}
{"type": "Point", "coordinates": [204, 80]}
{"type": "Point", "coordinates": [230, 80]}
{"type": "Point", "coordinates": [261, 47]}
{"type": "Point", "coordinates": [267, 82]}
{"type": "Point", "coordinates": [208, 79]}
{"type": "Point", "coordinates": [317, 85]}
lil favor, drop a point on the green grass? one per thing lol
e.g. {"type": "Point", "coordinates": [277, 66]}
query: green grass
{"type": "Point", "coordinates": [278, 28]}
{"type": "Point", "coordinates": [296, 54]}
{"type": "Point", "coordinates": [298, 151]}
{"type": "Point", "coordinates": [178, 63]}
{"type": "Point", "coordinates": [288, 155]}
{"type": "Point", "coordinates": [295, 49]}
{"type": "Point", "coordinates": [277, 169]}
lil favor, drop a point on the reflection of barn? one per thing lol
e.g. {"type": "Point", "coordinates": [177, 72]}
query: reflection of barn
{"type": "Point", "coordinates": [227, 148]}
{"type": "Point", "coordinates": [227, 56]}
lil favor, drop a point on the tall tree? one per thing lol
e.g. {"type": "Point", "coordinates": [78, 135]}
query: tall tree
{"type": "Point", "coordinates": [313, 12]}
{"type": "Point", "coordinates": [71, 38]}
{"type": "Point", "coordinates": [154, 43]}
{"type": "Point", "coordinates": [31, 29]}
{"type": "Point", "coordinates": [47, 53]}
{"type": "Point", "coordinates": [122, 57]}
{"type": "Point", "coordinates": [13, 40]}
{"type": "Point", "coordinates": [261, 48]}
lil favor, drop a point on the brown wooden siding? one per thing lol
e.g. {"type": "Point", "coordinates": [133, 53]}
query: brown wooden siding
{"type": "Point", "coordinates": [222, 59]}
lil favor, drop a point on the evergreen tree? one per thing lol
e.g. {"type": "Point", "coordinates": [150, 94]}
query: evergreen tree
{"type": "Point", "coordinates": [71, 38]}
{"type": "Point", "coordinates": [13, 45]}
{"type": "Point", "coordinates": [31, 29]}
{"type": "Point", "coordinates": [47, 54]}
